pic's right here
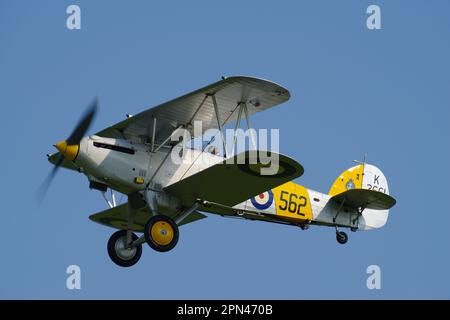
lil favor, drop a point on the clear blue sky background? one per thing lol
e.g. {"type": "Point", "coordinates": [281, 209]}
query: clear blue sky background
{"type": "Point", "coordinates": [354, 91]}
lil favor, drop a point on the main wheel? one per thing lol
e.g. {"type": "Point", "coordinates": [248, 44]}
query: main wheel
{"type": "Point", "coordinates": [341, 237]}
{"type": "Point", "coordinates": [119, 254]}
{"type": "Point", "coordinates": [161, 233]}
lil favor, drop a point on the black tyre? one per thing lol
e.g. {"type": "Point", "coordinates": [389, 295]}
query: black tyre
{"type": "Point", "coordinates": [119, 254]}
{"type": "Point", "coordinates": [341, 237]}
{"type": "Point", "coordinates": [161, 233]}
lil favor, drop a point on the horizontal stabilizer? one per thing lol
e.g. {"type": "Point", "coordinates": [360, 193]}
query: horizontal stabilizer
{"type": "Point", "coordinates": [370, 199]}
{"type": "Point", "coordinates": [230, 183]}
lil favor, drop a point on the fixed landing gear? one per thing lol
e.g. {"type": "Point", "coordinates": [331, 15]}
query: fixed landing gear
{"type": "Point", "coordinates": [161, 233]}
{"type": "Point", "coordinates": [341, 237]}
{"type": "Point", "coordinates": [120, 253]}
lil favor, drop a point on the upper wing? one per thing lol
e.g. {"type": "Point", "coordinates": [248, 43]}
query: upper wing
{"type": "Point", "coordinates": [231, 184]}
{"type": "Point", "coordinates": [370, 199]}
{"type": "Point", "coordinates": [198, 105]}
{"type": "Point", "coordinates": [117, 218]}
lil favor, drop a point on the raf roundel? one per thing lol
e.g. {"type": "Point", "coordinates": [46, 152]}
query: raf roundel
{"type": "Point", "coordinates": [263, 201]}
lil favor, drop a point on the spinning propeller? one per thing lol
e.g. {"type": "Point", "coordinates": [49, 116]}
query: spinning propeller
{"type": "Point", "coordinates": [68, 149]}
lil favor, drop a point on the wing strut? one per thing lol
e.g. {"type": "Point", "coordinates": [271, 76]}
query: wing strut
{"type": "Point", "coordinates": [153, 134]}
{"type": "Point", "coordinates": [249, 127]}
{"type": "Point", "coordinates": [242, 106]}
{"type": "Point", "coordinates": [166, 156]}
{"type": "Point", "coordinates": [168, 138]}
{"type": "Point", "coordinates": [238, 121]}
{"type": "Point", "coordinates": [216, 111]}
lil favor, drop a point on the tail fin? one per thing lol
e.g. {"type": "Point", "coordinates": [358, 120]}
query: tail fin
{"type": "Point", "coordinates": [364, 176]}
{"type": "Point", "coordinates": [349, 179]}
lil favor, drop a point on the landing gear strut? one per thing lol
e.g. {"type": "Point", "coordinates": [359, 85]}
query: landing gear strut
{"type": "Point", "coordinates": [341, 236]}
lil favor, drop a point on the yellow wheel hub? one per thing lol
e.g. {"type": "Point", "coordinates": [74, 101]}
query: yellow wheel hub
{"type": "Point", "coordinates": [162, 233]}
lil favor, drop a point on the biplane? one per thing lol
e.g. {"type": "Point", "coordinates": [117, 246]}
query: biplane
{"type": "Point", "coordinates": [133, 158]}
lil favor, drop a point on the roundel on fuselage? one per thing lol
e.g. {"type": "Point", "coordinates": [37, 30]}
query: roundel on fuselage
{"type": "Point", "coordinates": [263, 201]}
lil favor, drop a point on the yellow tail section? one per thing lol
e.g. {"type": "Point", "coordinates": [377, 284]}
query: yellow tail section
{"type": "Point", "coordinates": [367, 177]}
{"type": "Point", "coordinates": [349, 179]}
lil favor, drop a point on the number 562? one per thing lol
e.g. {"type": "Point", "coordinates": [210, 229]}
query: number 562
{"type": "Point", "coordinates": [292, 203]}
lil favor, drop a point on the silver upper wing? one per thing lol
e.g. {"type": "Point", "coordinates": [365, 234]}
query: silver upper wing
{"type": "Point", "coordinates": [258, 94]}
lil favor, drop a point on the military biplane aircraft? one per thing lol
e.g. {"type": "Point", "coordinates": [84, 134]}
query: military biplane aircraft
{"type": "Point", "coordinates": [132, 158]}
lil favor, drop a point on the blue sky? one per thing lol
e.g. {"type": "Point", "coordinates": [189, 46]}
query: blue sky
{"type": "Point", "coordinates": [354, 91]}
